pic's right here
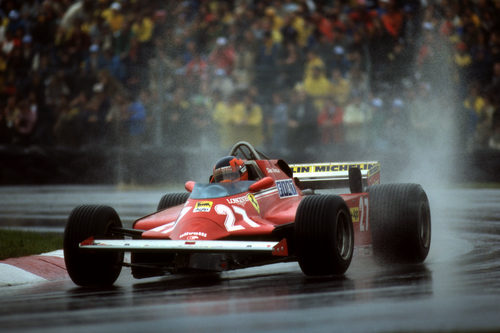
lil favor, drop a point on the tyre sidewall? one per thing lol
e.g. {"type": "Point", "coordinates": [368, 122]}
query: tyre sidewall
{"type": "Point", "coordinates": [316, 226]}
{"type": "Point", "coordinates": [91, 268]}
{"type": "Point", "coordinates": [398, 215]}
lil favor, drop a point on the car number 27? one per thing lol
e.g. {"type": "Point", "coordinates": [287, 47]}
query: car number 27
{"type": "Point", "coordinates": [363, 214]}
{"type": "Point", "coordinates": [231, 219]}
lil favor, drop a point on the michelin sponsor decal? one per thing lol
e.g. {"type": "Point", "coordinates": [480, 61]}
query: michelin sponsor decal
{"type": "Point", "coordinates": [331, 167]}
{"type": "Point", "coordinates": [286, 188]}
{"type": "Point", "coordinates": [203, 206]}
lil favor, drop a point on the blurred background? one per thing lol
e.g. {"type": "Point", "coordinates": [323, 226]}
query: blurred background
{"type": "Point", "coordinates": [145, 92]}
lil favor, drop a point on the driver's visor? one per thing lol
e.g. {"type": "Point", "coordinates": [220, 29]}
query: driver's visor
{"type": "Point", "coordinates": [226, 174]}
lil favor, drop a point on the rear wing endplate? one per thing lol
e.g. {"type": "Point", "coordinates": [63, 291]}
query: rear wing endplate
{"type": "Point", "coordinates": [334, 175]}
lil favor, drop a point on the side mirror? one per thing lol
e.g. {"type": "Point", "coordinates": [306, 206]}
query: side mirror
{"type": "Point", "coordinates": [261, 184]}
{"type": "Point", "coordinates": [189, 186]}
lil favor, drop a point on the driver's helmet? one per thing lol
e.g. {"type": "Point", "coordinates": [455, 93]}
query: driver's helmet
{"type": "Point", "coordinates": [229, 169]}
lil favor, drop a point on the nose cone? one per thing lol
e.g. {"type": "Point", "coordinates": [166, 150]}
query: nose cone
{"type": "Point", "coordinates": [198, 228]}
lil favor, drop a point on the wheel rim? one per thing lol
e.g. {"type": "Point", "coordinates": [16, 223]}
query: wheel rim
{"type": "Point", "coordinates": [424, 226]}
{"type": "Point", "coordinates": [344, 236]}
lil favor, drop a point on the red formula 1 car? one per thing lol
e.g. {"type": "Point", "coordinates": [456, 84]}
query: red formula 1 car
{"type": "Point", "coordinates": [275, 216]}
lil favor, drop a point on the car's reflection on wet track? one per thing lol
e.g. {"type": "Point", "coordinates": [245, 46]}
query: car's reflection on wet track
{"type": "Point", "coordinates": [457, 288]}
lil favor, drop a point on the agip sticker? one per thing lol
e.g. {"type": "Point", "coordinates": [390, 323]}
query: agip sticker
{"type": "Point", "coordinates": [203, 206]}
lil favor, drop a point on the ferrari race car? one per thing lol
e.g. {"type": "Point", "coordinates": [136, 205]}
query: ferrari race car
{"type": "Point", "coordinates": [275, 216]}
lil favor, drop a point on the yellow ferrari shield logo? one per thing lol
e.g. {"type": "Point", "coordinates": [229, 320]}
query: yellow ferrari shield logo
{"type": "Point", "coordinates": [254, 202]}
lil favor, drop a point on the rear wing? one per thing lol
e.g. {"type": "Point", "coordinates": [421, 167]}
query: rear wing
{"type": "Point", "coordinates": [337, 175]}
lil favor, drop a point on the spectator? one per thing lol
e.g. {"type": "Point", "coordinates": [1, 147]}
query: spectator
{"type": "Point", "coordinates": [223, 56]}
{"type": "Point", "coordinates": [340, 88]}
{"type": "Point", "coordinates": [317, 86]}
{"type": "Point", "coordinates": [222, 118]}
{"type": "Point", "coordinates": [202, 135]}
{"type": "Point", "coordinates": [121, 48]}
{"type": "Point", "coordinates": [397, 121]}
{"type": "Point", "coordinates": [143, 29]}
{"type": "Point", "coordinates": [136, 119]}
{"type": "Point", "coordinates": [485, 122]}
{"type": "Point", "coordinates": [247, 120]}
{"type": "Point", "coordinates": [330, 121]}
{"type": "Point", "coordinates": [25, 121]}
{"type": "Point", "coordinates": [114, 17]}
{"type": "Point", "coordinates": [77, 43]}
{"type": "Point", "coordinates": [339, 60]}
{"type": "Point", "coordinates": [177, 120]}
{"type": "Point", "coordinates": [244, 65]}
{"type": "Point", "coordinates": [68, 125]}
{"type": "Point", "coordinates": [8, 43]}
{"type": "Point", "coordinates": [56, 87]}
{"type": "Point", "coordinates": [355, 120]}
{"type": "Point", "coordinates": [463, 61]}
{"type": "Point", "coordinates": [397, 64]}
{"type": "Point", "coordinates": [96, 60]}
{"type": "Point", "coordinates": [358, 81]}
{"type": "Point", "coordinates": [392, 19]}
{"type": "Point", "coordinates": [474, 110]}
{"type": "Point", "coordinates": [288, 31]}
{"type": "Point", "coordinates": [94, 115]}
{"type": "Point", "coordinates": [115, 120]}
{"type": "Point", "coordinates": [291, 67]}
{"type": "Point", "coordinates": [15, 23]}
{"type": "Point", "coordinates": [313, 62]}
{"type": "Point", "coordinates": [8, 117]}
{"type": "Point", "coordinates": [266, 63]}
{"type": "Point", "coordinates": [278, 122]}
{"type": "Point", "coordinates": [302, 124]}
{"type": "Point", "coordinates": [223, 83]}
{"type": "Point", "coordinates": [196, 70]}
{"type": "Point", "coordinates": [376, 132]}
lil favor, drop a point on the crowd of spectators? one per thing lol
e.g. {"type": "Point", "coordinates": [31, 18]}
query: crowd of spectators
{"type": "Point", "coordinates": [282, 74]}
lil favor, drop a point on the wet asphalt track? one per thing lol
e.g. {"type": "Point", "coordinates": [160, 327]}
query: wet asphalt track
{"type": "Point", "coordinates": [458, 287]}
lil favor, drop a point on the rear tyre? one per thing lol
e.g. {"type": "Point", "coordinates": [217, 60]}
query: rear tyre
{"type": "Point", "coordinates": [172, 199]}
{"type": "Point", "coordinates": [400, 221]}
{"type": "Point", "coordinates": [324, 235]}
{"type": "Point", "coordinates": [91, 269]}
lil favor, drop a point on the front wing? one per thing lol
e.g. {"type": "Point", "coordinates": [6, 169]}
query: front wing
{"type": "Point", "coordinates": [186, 246]}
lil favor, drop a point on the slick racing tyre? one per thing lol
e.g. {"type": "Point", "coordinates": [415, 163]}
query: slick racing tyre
{"type": "Point", "coordinates": [172, 199]}
{"type": "Point", "coordinates": [91, 269]}
{"type": "Point", "coordinates": [324, 235]}
{"type": "Point", "coordinates": [400, 221]}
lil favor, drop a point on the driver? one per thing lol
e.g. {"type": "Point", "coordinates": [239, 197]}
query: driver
{"type": "Point", "coordinates": [229, 169]}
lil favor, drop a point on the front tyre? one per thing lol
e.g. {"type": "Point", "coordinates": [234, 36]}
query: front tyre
{"type": "Point", "coordinates": [172, 199]}
{"type": "Point", "coordinates": [400, 220]}
{"type": "Point", "coordinates": [324, 235]}
{"type": "Point", "coordinates": [91, 269]}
